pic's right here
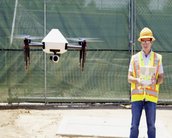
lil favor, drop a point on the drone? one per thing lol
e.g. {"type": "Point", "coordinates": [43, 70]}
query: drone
{"type": "Point", "coordinates": [56, 44]}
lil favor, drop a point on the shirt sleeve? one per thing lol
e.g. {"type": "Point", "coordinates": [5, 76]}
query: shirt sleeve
{"type": "Point", "coordinates": [160, 71]}
{"type": "Point", "coordinates": [131, 65]}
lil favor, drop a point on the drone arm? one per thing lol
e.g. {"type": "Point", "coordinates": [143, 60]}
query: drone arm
{"type": "Point", "coordinates": [36, 44]}
{"type": "Point", "coordinates": [74, 47]}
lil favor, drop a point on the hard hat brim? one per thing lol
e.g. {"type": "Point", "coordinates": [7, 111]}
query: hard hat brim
{"type": "Point", "coordinates": [142, 37]}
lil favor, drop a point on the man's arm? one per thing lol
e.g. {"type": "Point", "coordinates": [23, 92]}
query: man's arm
{"type": "Point", "coordinates": [132, 79]}
{"type": "Point", "coordinates": [160, 79]}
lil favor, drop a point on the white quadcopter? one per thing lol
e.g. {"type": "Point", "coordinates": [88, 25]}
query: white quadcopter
{"type": "Point", "coordinates": [55, 43]}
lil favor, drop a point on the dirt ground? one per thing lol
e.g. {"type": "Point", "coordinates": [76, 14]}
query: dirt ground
{"type": "Point", "coordinates": [35, 123]}
{"type": "Point", "coordinates": [43, 123]}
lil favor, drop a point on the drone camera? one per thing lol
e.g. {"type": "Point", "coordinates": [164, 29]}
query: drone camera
{"type": "Point", "coordinates": [55, 58]}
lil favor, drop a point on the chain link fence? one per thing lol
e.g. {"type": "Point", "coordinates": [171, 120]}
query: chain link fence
{"type": "Point", "coordinates": [104, 79]}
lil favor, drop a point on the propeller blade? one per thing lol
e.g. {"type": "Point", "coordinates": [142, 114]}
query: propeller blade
{"type": "Point", "coordinates": [84, 38]}
{"type": "Point", "coordinates": [21, 36]}
{"type": "Point", "coordinates": [36, 37]}
{"type": "Point", "coordinates": [73, 39]}
{"type": "Point", "coordinates": [28, 37]}
{"type": "Point", "coordinates": [94, 40]}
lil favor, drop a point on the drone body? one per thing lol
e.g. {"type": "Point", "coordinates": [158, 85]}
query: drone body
{"type": "Point", "coordinates": [55, 43]}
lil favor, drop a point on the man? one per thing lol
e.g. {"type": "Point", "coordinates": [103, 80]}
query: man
{"type": "Point", "coordinates": [145, 74]}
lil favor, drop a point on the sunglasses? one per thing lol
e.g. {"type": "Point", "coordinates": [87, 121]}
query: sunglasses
{"type": "Point", "coordinates": [146, 41]}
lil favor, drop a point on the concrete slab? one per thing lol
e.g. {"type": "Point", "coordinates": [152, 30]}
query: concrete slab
{"type": "Point", "coordinates": [105, 127]}
{"type": "Point", "coordinates": [92, 127]}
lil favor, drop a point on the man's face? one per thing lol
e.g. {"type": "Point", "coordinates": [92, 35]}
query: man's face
{"type": "Point", "coordinates": [146, 44]}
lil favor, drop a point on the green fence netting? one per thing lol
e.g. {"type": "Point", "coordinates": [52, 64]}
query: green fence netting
{"type": "Point", "coordinates": [105, 74]}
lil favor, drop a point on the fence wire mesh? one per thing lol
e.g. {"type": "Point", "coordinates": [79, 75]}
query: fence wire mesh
{"type": "Point", "coordinates": [106, 68]}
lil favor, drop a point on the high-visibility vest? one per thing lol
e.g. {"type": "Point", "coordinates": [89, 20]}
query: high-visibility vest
{"type": "Point", "coordinates": [138, 92]}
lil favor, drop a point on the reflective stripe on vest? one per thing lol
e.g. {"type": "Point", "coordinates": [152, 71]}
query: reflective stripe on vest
{"type": "Point", "coordinates": [149, 93]}
{"type": "Point", "coordinates": [141, 91]}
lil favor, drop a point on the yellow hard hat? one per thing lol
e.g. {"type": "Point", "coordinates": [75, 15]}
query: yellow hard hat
{"type": "Point", "coordinates": [146, 33]}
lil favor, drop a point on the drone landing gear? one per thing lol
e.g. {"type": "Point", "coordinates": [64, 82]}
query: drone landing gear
{"type": "Point", "coordinates": [82, 54]}
{"type": "Point", "coordinates": [27, 53]}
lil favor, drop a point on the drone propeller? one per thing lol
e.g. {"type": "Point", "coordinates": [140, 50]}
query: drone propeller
{"type": "Point", "coordinates": [82, 45]}
{"type": "Point", "coordinates": [28, 37]}
{"type": "Point", "coordinates": [82, 51]}
{"type": "Point", "coordinates": [84, 38]}
{"type": "Point", "coordinates": [27, 44]}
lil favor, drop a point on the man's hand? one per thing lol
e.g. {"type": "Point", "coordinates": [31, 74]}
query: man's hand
{"type": "Point", "coordinates": [138, 80]}
{"type": "Point", "coordinates": [153, 79]}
